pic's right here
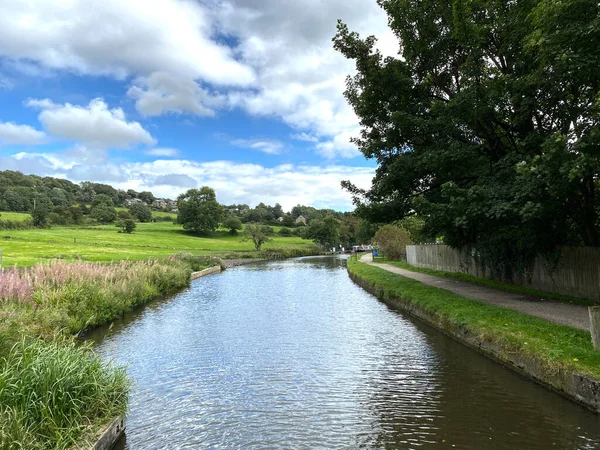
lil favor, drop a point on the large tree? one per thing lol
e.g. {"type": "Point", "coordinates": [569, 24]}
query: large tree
{"type": "Point", "coordinates": [199, 210]}
{"type": "Point", "coordinates": [486, 125]}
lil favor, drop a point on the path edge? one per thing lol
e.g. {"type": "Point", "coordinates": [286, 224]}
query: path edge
{"type": "Point", "coordinates": [580, 388]}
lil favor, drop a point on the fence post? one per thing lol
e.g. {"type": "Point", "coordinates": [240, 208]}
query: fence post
{"type": "Point", "coordinates": [595, 325]}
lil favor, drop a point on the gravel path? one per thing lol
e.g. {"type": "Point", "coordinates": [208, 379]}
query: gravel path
{"type": "Point", "coordinates": [557, 312]}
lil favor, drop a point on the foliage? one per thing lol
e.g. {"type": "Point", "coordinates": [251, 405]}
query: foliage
{"type": "Point", "coordinates": [199, 210]}
{"type": "Point", "coordinates": [126, 225]}
{"type": "Point", "coordinates": [103, 213]}
{"type": "Point", "coordinates": [141, 212]}
{"type": "Point", "coordinates": [392, 241]}
{"type": "Point", "coordinates": [258, 234]}
{"type": "Point", "coordinates": [124, 214]}
{"type": "Point", "coordinates": [41, 210]}
{"type": "Point", "coordinates": [284, 231]}
{"type": "Point", "coordinates": [324, 231]}
{"type": "Point", "coordinates": [486, 126]}
{"type": "Point", "coordinates": [198, 262]}
{"type": "Point", "coordinates": [234, 224]}
{"type": "Point", "coordinates": [53, 394]}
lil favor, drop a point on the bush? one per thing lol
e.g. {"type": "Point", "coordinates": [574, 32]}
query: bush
{"type": "Point", "coordinates": [104, 213]}
{"type": "Point", "coordinates": [392, 241]}
{"type": "Point", "coordinates": [286, 232]}
{"type": "Point", "coordinates": [126, 225]}
{"type": "Point", "coordinates": [141, 212]}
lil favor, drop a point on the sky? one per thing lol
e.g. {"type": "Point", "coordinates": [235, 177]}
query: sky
{"type": "Point", "coordinates": [244, 96]}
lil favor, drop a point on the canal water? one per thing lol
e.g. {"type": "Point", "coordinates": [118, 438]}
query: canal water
{"type": "Point", "coordinates": [293, 355]}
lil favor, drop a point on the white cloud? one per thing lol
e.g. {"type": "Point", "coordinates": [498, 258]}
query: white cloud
{"type": "Point", "coordinates": [268, 57]}
{"type": "Point", "coordinates": [167, 152]}
{"type": "Point", "coordinates": [304, 137]}
{"type": "Point", "coordinates": [119, 38]}
{"type": "Point", "coordinates": [269, 146]}
{"type": "Point", "coordinates": [175, 180]}
{"type": "Point", "coordinates": [94, 126]}
{"type": "Point", "coordinates": [286, 184]}
{"type": "Point", "coordinates": [164, 92]}
{"type": "Point", "coordinates": [11, 133]}
{"type": "Point", "coordinates": [301, 78]}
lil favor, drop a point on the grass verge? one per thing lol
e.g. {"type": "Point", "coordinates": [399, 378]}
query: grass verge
{"type": "Point", "coordinates": [554, 347]}
{"type": "Point", "coordinates": [491, 283]}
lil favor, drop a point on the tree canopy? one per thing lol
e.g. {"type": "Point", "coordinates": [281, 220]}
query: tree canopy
{"type": "Point", "coordinates": [486, 125]}
{"type": "Point", "coordinates": [199, 210]}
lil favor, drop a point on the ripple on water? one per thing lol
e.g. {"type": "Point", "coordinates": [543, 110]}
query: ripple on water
{"type": "Point", "coordinates": [293, 355]}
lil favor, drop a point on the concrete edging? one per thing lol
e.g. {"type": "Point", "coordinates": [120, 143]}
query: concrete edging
{"type": "Point", "coordinates": [580, 388]}
{"type": "Point", "coordinates": [203, 273]}
{"type": "Point", "coordinates": [111, 435]}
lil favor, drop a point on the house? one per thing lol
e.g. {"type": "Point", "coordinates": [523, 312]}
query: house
{"type": "Point", "coordinates": [280, 219]}
{"type": "Point", "coordinates": [132, 201]}
{"type": "Point", "coordinates": [301, 220]}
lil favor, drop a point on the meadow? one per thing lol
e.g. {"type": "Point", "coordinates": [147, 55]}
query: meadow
{"type": "Point", "coordinates": [105, 244]}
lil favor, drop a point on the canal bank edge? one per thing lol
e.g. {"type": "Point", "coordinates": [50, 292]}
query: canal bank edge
{"type": "Point", "coordinates": [580, 388]}
{"type": "Point", "coordinates": [205, 272]}
{"type": "Point", "coordinates": [112, 433]}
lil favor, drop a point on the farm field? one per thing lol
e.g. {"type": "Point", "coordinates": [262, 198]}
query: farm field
{"type": "Point", "coordinates": [105, 244]}
{"type": "Point", "coordinates": [14, 216]}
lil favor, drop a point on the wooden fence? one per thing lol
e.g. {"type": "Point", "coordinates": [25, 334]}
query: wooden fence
{"type": "Point", "coordinates": [578, 274]}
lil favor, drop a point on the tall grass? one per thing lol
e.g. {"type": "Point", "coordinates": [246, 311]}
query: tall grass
{"type": "Point", "coordinates": [50, 298]}
{"type": "Point", "coordinates": [54, 395]}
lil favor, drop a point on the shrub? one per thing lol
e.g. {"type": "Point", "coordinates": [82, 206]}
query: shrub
{"type": "Point", "coordinates": [392, 241]}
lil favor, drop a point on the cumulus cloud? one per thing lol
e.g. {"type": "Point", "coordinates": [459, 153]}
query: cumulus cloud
{"type": "Point", "coordinates": [233, 182]}
{"type": "Point", "coordinates": [267, 57]}
{"type": "Point", "coordinates": [11, 133]}
{"type": "Point", "coordinates": [269, 146]}
{"type": "Point", "coordinates": [119, 38]}
{"type": "Point", "coordinates": [175, 180]}
{"type": "Point", "coordinates": [163, 92]}
{"type": "Point", "coordinates": [165, 152]}
{"type": "Point", "coordinates": [94, 125]}
{"type": "Point", "coordinates": [301, 78]}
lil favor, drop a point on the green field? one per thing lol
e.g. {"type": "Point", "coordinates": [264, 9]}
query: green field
{"type": "Point", "coordinates": [104, 243]}
{"type": "Point", "coordinates": [14, 216]}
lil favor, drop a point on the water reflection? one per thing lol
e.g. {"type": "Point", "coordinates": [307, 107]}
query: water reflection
{"type": "Point", "coordinates": [292, 354]}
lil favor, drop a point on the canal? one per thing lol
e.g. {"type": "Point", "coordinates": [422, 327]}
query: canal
{"type": "Point", "coordinates": [293, 355]}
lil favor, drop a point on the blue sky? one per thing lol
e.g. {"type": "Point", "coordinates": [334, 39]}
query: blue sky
{"type": "Point", "coordinates": [245, 96]}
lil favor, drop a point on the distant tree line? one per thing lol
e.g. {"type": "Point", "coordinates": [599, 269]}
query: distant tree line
{"type": "Point", "coordinates": [61, 202]}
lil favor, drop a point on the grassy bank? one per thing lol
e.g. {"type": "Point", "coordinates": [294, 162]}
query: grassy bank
{"type": "Point", "coordinates": [554, 347]}
{"type": "Point", "coordinates": [491, 283]}
{"type": "Point", "coordinates": [54, 393]}
{"type": "Point", "coordinates": [150, 240]}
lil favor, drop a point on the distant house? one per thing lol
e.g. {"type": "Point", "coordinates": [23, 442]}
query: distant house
{"type": "Point", "coordinates": [132, 201]}
{"type": "Point", "coordinates": [280, 219]}
{"type": "Point", "coordinates": [301, 219]}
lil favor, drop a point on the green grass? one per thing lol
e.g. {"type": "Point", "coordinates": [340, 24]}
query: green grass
{"type": "Point", "coordinates": [14, 216]}
{"type": "Point", "coordinates": [491, 283]}
{"type": "Point", "coordinates": [56, 395]}
{"type": "Point", "coordinates": [104, 244]}
{"type": "Point", "coordinates": [554, 346]}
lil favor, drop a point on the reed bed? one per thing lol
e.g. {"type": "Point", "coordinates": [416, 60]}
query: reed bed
{"type": "Point", "coordinates": [54, 392]}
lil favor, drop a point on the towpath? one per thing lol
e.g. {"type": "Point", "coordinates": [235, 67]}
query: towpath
{"type": "Point", "coordinates": [557, 312]}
